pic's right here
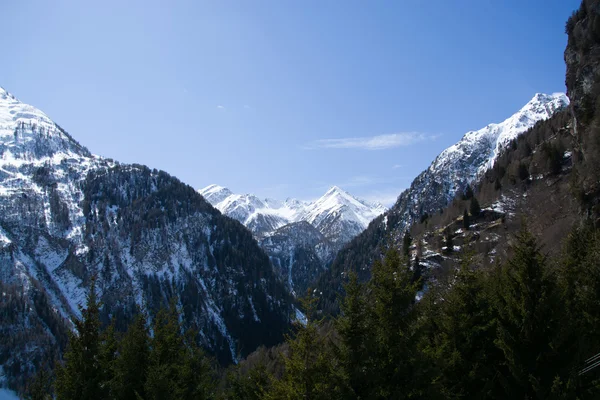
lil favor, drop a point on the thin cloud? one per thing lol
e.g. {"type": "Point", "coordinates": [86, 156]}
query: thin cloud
{"type": "Point", "coordinates": [396, 166]}
{"type": "Point", "coordinates": [220, 107]}
{"type": "Point", "coordinates": [379, 142]}
{"type": "Point", "coordinates": [247, 107]}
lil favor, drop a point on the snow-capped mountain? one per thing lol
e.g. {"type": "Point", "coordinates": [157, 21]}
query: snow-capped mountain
{"type": "Point", "coordinates": [338, 215]}
{"type": "Point", "coordinates": [67, 216]}
{"type": "Point", "coordinates": [432, 190]}
{"type": "Point", "coordinates": [301, 238]}
{"type": "Point", "coordinates": [465, 161]}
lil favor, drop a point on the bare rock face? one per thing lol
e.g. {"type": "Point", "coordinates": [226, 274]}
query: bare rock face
{"type": "Point", "coordinates": [582, 58]}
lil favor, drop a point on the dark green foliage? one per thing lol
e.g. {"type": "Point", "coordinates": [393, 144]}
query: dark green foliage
{"type": "Point", "coordinates": [310, 368]}
{"type": "Point", "coordinates": [521, 330]}
{"type": "Point", "coordinates": [131, 366]}
{"type": "Point", "coordinates": [523, 171]}
{"type": "Point", "coordinates": [98, 364]}
{"type": "Point", "coordinates": [80, 377]}
{"type": "Point", "coordinates": [392, 314]}
{"type": "Point", "coordinates": [448, 240]}
{"type": "Point", "coordinates": [528, 327]}
{"type": "Point", "coordinates": [356, 341]}
{"type": "Point", "coordinates": [464, 344]}
{"type": "Point", "coordinates": [406, 242]}
{"type": "Point", "coordinates": [468, 193]}
{"type": "Point", "coordinates": [474, 207]}
{"type": "Point", "coordinates": [554, 157]}
{"type": "Point", "coordinates": [40, 387]}
{"type": "Point", "coordinates": [251, 385]}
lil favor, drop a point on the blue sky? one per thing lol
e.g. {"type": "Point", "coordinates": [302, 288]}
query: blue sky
{"type": "Point", "coordinates": [282, 98]}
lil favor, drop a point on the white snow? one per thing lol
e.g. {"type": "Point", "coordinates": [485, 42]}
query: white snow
{"type": "Point", "coordinates": [265, 216]}
{"type": "Point", "coordinates": [300, 317]}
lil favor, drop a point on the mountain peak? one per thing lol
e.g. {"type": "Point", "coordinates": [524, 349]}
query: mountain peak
{"type": "Point", "coordinates": [28, 134]}
{"type": "Point", "coordinates": [469, 158]}
{"type": "Point", "coordinates": [214, 193]}
{"type": "Point", "coordinates": [335, 189]}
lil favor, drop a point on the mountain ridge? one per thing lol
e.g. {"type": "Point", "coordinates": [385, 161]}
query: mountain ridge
{"type": "Point", "coordinates": [67, 216]}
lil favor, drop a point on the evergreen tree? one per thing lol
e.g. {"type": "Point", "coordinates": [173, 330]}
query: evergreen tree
{"type": "Point", "coordinates": [468, 192]}
{"type": "Point", "coordinates": [466, 220]}
{"type": "Point", "coordinates": [465, 343]}
{"type": "Point", "coordinates": [406, 242]}
{"type": "Point", "coordinates": [528, 322]}
{"type": "Point", "coordinates": [393, 297]}
{"type": "Point", "coordinates": [417, 273]}
{"type": "Point", "coordinates": [252, 385]}
{"type": "Point", "coordinates": [195, 376]}
{"type": "Point", "coordinates": [449, 240]}
{"type": "Point", "coordinates": [40, 387]}
{"type": "Point", "coordinates": [310, 369]}
{"type": "Point", "coordinates": [107, 357]}
{"type": "Point", "coordinates": [579, 282]}
{"type": "Point", "coordinates": [475, 208]}
{"type": "Point", "coordinates": [131, 367]}
{"type": "Point", "coordinates": [166, 355]}
{"type": "Point", "coordinates": [356, 340]}
{"type": "Point", "coordinates": [80, 376]}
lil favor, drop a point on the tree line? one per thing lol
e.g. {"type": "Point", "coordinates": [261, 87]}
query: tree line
{"type": "Point", "coordinates": [522, 330]}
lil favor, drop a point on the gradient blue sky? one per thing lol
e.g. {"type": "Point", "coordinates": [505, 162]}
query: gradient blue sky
{"type": "Point", "coordinates": [257, 95]}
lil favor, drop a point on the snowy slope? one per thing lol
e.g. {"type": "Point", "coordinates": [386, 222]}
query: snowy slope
{"type": "Point", "coordinates": [465, 161]}
{"type": "Point", "coordinates": [340, 216]}
{"type": "Point", "coordinates": [337, 214]}
{"type": "Point", "coordinates": [260, 216]}
{"type": "Point", "coordinates": [300, 238]}
{"type": "Point", "coordinates": [67, 215]}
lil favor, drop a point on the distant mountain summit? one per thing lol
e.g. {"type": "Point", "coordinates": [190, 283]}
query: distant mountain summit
{"type": "Point", "coordinates": [301, 238]}
{"type": "Point", "coordinates": [338, 215]}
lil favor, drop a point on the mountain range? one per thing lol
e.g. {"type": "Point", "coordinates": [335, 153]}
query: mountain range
{"type": "Point", "coordinates": [448, 176]}
{"type": "Point", "coordinates": [301, 238]}
{"type": "Point", "coordinates": [68, 216]}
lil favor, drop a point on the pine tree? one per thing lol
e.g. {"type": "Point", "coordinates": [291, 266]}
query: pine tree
{"type": "Point", "coordinates": [251, 385]}
{"type": "Point", "coordinates": [579, 285]}
{"type": "Point", "coordinates": [393, 297]}
{"type": "Point", "coordinates": [475, 208]}
{"type": "Point", "coordinates": [310, 369]}
{"type": "Point", "coordinates": [466, 220]}
{"type": "Point", "coordinates": [465, 342]}
{"type": "Point", "coordinates": [40, 387]}
{"type": "Point", "coordinates": [106, 357]}
{"type": "Point", "coordinates": [418, 271]}
{"type": "Point", "coordinates": [406, 242]}
{"type": "Point", "coordinates": [356, 340]}
{"type": "Point", "coordinates": [80, 377]}
{"type": "Point", "coordinates": [468, 192]}
{"type": "Point", "coordinates": [166, 355]}
{"type": "Point", "coordinates": [131, 367]}
{"type": "Point", "coordinates": [449, 240]}
{"type": "Point", "coordinates": [195, 376]}
{"type": "Point", "coordinates": [528, 322]}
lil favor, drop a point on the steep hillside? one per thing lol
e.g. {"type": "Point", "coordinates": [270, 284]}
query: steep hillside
{"type": "Point", "coordinates": [435, 189]}
{"type": "Point", "coordinates": [67, 216]}
{"type": "Point", "coordinates": [301, 238]}
{"type": "Point", "coordinates": [300, 253]}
